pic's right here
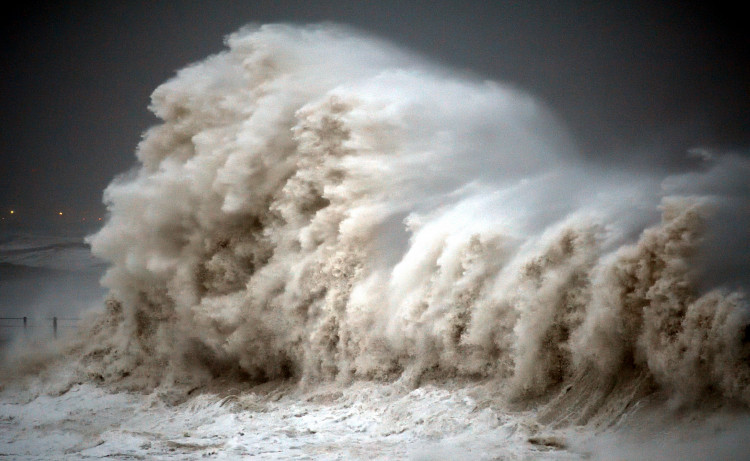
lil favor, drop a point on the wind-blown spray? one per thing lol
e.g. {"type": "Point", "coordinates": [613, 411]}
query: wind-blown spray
{"type": "Point", "coordinates": [320, 205]}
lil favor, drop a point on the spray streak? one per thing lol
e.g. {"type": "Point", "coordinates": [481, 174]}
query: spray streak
{"type": "Point", "coordinates": [317, 204]}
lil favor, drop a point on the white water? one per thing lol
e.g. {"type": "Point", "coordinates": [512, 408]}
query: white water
{"type": "Point", "coordinates": [366, 421]}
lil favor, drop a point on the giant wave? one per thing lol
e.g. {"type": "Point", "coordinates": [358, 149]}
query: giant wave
{"type": "Point", "coordinates": [321, 206]}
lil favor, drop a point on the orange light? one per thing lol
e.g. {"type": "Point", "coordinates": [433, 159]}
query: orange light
{"type": "Point", "coordinates": [60, 213]}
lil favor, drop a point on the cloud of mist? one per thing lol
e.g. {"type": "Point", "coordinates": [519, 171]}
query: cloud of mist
{"type": "Point", "coordinates": [319, 204]}
{"type": "Point", "coordinates": [719, 436]}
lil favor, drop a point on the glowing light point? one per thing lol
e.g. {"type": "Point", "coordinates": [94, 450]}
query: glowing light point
{"type": "Point", "coordinates": [12, 211]}
{"type": "Point", "coordinates": [60, 213]}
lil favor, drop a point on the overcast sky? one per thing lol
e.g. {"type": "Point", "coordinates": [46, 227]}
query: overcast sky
{"type": "Point", "coordinates": [634, 81]}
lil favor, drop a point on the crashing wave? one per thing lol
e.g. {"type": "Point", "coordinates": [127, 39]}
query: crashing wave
{"type": "Point", "coordinates": [319, 205]}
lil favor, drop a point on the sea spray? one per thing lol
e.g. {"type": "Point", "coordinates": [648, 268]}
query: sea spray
{"type": "Point", "coordinates": [319, 205]}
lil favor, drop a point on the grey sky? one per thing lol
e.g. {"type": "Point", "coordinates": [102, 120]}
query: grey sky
{"type": "Point", "coordinates": [634, 81]}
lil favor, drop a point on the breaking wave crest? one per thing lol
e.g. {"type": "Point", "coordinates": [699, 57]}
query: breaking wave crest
{"type": "Point", "coordinates": [320, 205]}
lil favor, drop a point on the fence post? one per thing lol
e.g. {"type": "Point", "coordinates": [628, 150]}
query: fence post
{"type": "Point", "coordinates": [54, 326]}
{"type": "Point", "coordinates": [24, 323]}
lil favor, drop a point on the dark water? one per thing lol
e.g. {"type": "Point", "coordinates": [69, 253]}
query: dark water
{"type": "Point", "coordinates": [42, 276]}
